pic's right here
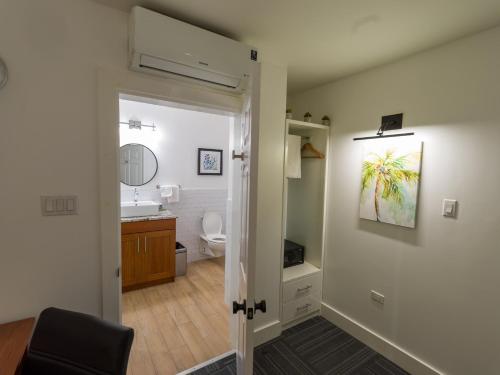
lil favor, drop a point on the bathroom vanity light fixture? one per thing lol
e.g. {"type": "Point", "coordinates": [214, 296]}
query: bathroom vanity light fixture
{"type": "Point", "coordinates": [137, 124]}
{"type": "Point", "coordinates": [390, 122]}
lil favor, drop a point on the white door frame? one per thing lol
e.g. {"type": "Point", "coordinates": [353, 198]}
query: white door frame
{"type": "Point", "coordinates": [110, 85]}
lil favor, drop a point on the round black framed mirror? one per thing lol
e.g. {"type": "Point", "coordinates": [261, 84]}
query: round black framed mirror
{"type": "Point", "coordinates": [138, 164]}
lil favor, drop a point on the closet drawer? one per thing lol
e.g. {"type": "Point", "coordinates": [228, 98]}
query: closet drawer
{"type": "Point", "coordinates": [300, 307]}
{"type": "Point", "coordinates": [306, 286]}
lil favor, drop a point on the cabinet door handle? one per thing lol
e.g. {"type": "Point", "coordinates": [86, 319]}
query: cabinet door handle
{"type": "Point", "coordinates": [145, 244]}
{"type": "Point", "coordinates": [138, 246]}
{"type": "Point", "coordinates": [304, 307]}
{"type": "Point", "coordinates": [304, 288]}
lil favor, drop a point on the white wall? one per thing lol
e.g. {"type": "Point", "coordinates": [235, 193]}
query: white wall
{"type": "Point", "coordinates": [175, 142]}
{"type": "Point", "coordinates": [49, 145]}
{"type": "Point", "coordinates": [48, 114]}
{"type": "Point", "coordinates": [440, 280]}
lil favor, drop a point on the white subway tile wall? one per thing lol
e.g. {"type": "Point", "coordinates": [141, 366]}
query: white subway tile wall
{"type": "Point", "coordinates": [193, 203]}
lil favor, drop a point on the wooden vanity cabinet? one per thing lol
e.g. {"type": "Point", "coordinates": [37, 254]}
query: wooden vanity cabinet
{"type": "Point", "coordinates": [148, 253]}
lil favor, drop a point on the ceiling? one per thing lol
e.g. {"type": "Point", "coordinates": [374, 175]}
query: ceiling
{"type": "Point", "coordinates": [323, 40]}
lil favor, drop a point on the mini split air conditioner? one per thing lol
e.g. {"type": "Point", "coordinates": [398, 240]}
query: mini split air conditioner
{"type": "Point", "coordinates": [163, 45]}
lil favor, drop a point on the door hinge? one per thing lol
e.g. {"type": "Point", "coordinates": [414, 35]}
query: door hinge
{"type": "Point", "coordinates": [118, 272]}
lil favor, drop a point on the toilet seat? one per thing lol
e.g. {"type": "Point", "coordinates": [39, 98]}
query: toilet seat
{"type": "Point", "coordinates": [216, 238]}
{"type": "Point", "coordinates": [212, 224]}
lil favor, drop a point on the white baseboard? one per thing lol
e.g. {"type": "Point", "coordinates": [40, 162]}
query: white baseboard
{"type": "Point", "coordinates": [391, 351]}
{"type": "Point", "coordinates": [206, 363]}
{"type": "Point", "coordinates": [295, 322]}
{"type": "Point", "coordinates": [267, 332]}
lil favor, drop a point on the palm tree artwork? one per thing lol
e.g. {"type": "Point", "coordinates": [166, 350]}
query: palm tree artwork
{"type": "Point", "coordinates": [389, 183]}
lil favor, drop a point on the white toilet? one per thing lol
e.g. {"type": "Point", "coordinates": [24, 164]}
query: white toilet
{"type": "Point", "coordinates": [213, 241]}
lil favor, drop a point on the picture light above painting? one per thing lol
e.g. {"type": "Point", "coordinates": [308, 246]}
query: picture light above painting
{"type": "Point", "coordinates": [389, 122]}
{"type": "Point", "coordinates": [390, 175]}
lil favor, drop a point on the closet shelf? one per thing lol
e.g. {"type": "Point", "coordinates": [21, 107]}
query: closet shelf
{"type": "Point", "coordinates": [302, 125]}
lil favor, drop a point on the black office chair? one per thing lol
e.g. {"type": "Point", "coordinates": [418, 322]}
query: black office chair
{"type": "Point", "coordinates": [71, 343]}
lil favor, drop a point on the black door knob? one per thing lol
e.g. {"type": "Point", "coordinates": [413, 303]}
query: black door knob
{"type": "Point", "coordinates": [261, 306]}
{"type": "Point", "coordinates": [240, 306]}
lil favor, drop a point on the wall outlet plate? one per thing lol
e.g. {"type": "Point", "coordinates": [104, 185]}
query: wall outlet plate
{"type": "Point", "coordinates": [377, 297]}
{"type": "Point", "coordinates": [3, 73]}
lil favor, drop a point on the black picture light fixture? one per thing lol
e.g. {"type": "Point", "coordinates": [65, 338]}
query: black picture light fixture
{"type": "Point", "coordinates": [389, 122]}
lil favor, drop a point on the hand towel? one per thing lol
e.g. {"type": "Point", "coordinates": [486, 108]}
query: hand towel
{"type": "Point", "coordinates": [293, 159]}
{"type": "Point", "coordinates": [175, 194]}
{"type": "Point", "coordinates": [165, 191]}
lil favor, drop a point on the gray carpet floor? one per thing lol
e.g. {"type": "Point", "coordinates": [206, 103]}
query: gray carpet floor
{"type": "Point", "coordinates": [315, 347]}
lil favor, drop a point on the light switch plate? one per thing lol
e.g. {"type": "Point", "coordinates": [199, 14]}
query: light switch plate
{"type": "Point", "coordinates": [59, 205]}
{"type": "Point", "coordinates": [449, 208]}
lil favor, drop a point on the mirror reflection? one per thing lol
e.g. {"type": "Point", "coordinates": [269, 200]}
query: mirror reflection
{"type": "Point", "coordinates": [138, 164]}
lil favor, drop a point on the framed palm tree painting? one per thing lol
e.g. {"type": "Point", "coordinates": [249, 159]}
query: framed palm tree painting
{"type": "Point", "coordinates": [390, 181]}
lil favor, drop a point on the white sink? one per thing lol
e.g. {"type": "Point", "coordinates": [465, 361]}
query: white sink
{"type": "Point", "coordinates": [141, 208]}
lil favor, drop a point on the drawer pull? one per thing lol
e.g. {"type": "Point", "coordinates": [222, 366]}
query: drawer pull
{"type": "Point", "coordinates": [138, 250]}
{"type": "Point", "coordinates": [145, 244]}
{"type": "Point", "coordinates": [299, 290]}
{"type": "Point", "coordinates": [304, 307]}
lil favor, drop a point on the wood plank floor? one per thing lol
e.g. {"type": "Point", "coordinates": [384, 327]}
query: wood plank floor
{"type": "Point", "coordinates": [180, 324]}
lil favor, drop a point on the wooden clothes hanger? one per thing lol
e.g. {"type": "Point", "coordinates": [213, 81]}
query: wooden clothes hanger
{"type": "Point", "coordinates": [308, 151]}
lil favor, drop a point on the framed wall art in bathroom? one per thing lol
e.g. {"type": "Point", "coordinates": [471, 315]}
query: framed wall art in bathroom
{"type": "Point", "coordinates": [209, 162]}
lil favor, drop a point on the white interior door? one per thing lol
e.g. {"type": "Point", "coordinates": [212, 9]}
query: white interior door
{"type": "Point", "coordinates": [248, 154]}
{"type": "Point", "coordinates": [233, 226]}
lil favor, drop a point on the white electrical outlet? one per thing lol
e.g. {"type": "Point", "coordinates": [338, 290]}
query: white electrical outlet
{"type": "Point", "coordinates": [377, 297]}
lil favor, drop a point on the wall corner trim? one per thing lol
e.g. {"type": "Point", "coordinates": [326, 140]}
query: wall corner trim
{"type": "Point", "coordinates": [398, 355]}
{"type": "Point", "coordinates": [266, 332]}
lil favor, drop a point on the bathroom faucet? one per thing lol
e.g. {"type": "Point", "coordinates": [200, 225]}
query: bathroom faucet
{"type": "Point", "coordinates": [136, 195]}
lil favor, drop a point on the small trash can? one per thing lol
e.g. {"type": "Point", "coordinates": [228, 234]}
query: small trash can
{"type": "Point", "coordinates": [180, 259]}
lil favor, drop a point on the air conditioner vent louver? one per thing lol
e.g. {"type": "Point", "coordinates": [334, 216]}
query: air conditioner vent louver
{"type": "Point", "coordinates": [160, 65]}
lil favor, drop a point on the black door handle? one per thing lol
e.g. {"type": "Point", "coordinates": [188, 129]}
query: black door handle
{"type": "Point", "coordinates": [261, 306]}
{"type": "Point", "coordinates": [240, 306]}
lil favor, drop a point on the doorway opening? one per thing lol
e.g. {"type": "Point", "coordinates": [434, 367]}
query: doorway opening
{"type": "Point", "coordinates": [176, 205]}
